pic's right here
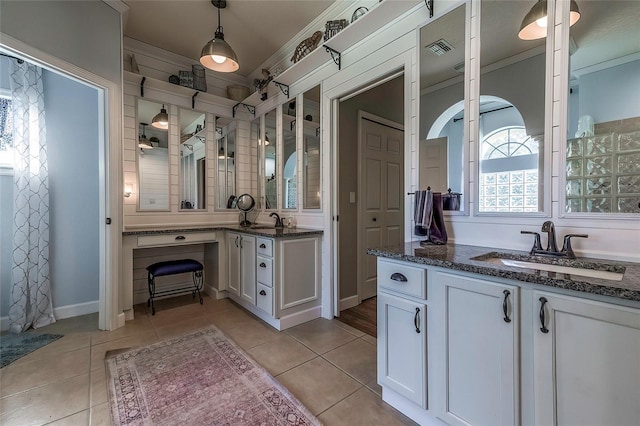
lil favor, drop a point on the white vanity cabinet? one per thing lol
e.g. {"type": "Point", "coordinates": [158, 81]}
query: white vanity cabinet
{"type": "Point", "coordinates": [586, 358]}
{"type": "Point", "coordinates": [277, 279]}
{"type": "Point", "coordinates": [241, 267]}
{"type": "Point", "coordinates": [477, 350]}
{"type": "Point", "coordinates": [402, 331]}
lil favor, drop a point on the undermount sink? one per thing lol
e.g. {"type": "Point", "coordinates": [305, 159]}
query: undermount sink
{"type": "Point", "coordinates": [560, 265]}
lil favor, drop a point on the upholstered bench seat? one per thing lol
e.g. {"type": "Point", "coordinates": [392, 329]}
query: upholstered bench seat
{"type": "Point", "coordinates": [172, 267]}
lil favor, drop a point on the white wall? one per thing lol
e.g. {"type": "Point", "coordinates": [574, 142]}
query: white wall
{"type": "Point", "coordinates": [71, 117]}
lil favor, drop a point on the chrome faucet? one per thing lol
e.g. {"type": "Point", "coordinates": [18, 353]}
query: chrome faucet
{"type": "Point", "coordinates": [552, 247]}
{"type": "Point", "coordinates": [279, 223]}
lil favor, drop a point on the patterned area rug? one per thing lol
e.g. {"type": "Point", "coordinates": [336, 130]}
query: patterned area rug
{"type": "Point", "coordinates": [15, 346]}
{"type": "Point", "coordinates": [201, 378]}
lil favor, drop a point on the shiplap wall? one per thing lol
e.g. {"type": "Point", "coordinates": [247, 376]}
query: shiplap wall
{"type": "Point", "coordinates": [154, 181]}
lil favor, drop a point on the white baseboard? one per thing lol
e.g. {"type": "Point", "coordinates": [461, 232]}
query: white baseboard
{"type": "Point", "coordinates": [409, 409]}
{"type": "Point", "coordinates": [63, 312]}
{"type": "Point", "coordinates": [214, 293]}
{"type": "Point", "coordinates": [348, 302]}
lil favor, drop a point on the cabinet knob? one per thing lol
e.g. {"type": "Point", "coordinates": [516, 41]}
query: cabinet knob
{"type": "Point", "coordinates": [263, 245]}
{"type": "Point", "coordinates": [263, 293]}
{"type": "Point", "coordinates": [180, 237]}
{"type": "Point", "coordinates": [374, 219]}
{"type": "Point", "coordinates": [263, 265]}
{"type": "Point", "coordinates": [397, 276]}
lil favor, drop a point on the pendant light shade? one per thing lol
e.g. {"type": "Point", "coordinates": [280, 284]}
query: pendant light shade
{"type": "Point", "coordinates": [534, 24]}
{"type": "Point", "coordinates": [143, 142]}
{"type": "Point", "coordinates": [161, 120]}
{"type": "Point", "coordinates": [217, 55]}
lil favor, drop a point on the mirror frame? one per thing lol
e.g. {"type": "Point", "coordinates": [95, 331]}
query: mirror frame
{"type": "Point", "coordinates": [206, 142]}
{"type": "Point", "coordinates": [138, 189]}
{"type": "Point", "coordinates": [217, 197]}
{"type": "Point", "coordinates": [283, 130]}
{"type": "Point", "coordinates": [277, 112]}
{"type": "Point", "coordinates": [302, 160]}
{"type": "Point", "coordinates": [546, 164]}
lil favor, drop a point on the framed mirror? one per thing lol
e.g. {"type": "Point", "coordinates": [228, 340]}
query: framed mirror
{"type": "Point", "coordinates": [255, 139]}
{"type": "Point", "coordinates": [311, 149]}
{"type": "Point", "coordinates": [192, 149]}
{"type": "Point", "coordinates": [602, 167]}
{"type": "Point", "coordinates": [270, 163]}
{"type": "Point", "coordinates": [442, 147]}
{"type": "Point", "coordinates": [153, 156]}
{"type": "Point", "coordinates": [226, 163]}
{"type": "Point", "coordinates": [511, 123]}
{"type": "Point", "coordinates": [289, 156]}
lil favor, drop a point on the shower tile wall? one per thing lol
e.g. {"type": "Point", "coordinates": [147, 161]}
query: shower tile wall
{"type": "Point", "coordinates": [603, 171]}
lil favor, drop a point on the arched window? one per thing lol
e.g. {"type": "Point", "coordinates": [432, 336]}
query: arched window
{"type": "Point", "coordinates": [509, 164]}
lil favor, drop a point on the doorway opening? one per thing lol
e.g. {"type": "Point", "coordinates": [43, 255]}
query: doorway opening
{"type": "Point", "coordinates": [370, 202]}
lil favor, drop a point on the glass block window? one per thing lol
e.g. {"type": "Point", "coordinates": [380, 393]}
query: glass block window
{"type": "Point", "coordinates": [6, 133]}
{"type": "Point", "coordinates": [509, 163]}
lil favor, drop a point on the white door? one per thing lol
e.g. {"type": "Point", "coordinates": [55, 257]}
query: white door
{"type": "Point", "coordinates": [433, 165]}
{"type": "Point", "coordinates": [233, 262]}
{"type": "Point", "coordinates": [586, 362]}
{"type": "Point", "coordinates": [381, 207]}
{"type": "Point", "coordinates": [477, 383]}
{"type": "Point", "coordinates": [402, 347]}
{"type": "Point", "coordinates": [248, 268]}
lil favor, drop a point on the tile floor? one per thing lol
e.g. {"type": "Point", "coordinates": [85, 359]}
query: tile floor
{"type": "Point", "coordinates": [329, 366]}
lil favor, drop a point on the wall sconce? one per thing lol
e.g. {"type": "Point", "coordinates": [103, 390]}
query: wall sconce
{"type": "Point", "coordinates": [128, 190]}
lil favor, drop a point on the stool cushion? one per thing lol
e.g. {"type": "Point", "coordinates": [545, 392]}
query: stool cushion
{"type": "Point", "coordinates": [171, 267]}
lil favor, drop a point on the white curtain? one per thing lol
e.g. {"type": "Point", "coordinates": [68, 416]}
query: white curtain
{"type": "Point", "coordinates": [31, 304]}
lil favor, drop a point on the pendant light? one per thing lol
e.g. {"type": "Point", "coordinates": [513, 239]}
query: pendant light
{"type": "Point", "coordinates": [534, 24]}
{"type": "Point", "coordinates": [221, 155]}
{"type": "Point", "coordinates": [143, 142]}
{"type": "Point", "coordinates": [161, 120]}
{"type": "Point", "coordinates": [217, 55]}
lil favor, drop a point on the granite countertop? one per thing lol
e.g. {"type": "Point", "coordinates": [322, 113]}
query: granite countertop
{"type": "Point", "coordinates": [260, 230]}
{"type": "Point", "coordinates": [461, 258]}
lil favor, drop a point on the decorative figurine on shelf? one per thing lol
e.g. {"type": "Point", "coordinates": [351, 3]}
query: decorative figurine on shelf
{"type": "Point", "coordinates": [306, 46]}
{"type": "Point", "coordinates": [262, 85]}
{"type": "Point", "coordinates": [358, 13]}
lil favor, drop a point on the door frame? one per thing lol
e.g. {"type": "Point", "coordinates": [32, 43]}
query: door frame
{"type": "Point", "coordinates": [349, 82]}
{"type": "Point", "coordinates": [360, 259]}
{"type": "Point", "coordinates": [110, 178]}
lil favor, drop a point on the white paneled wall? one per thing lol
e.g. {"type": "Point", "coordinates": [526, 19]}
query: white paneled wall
{"type": "Point", "coordinates": [154, 182]}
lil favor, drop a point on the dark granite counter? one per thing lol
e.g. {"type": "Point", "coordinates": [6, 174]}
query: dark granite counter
{"type": "Point", "coordinates": [260, 230]}
{"type": "Point", "coordinates": [469, 259]}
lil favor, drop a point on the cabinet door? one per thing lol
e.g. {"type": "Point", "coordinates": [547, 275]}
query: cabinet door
{"type": "Point", "coordinates": [233, 262]}
{"type": "Point", "coordinates": [248, 268]}
{"type": "Point", "coordinates": [586, 362]}
{"type": "Point", "coordinates": [478, 378]}
{"type": "Point", "coordinates": [402, 345]}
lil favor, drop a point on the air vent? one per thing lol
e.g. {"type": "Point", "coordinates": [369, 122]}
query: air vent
{"type": "Point", "coordinates": [440, 47]}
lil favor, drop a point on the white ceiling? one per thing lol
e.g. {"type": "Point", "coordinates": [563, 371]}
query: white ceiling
{"type": "Point", "coordinates": [255, 29]}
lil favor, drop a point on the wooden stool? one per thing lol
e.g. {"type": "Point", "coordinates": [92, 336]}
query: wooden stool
{"type": "Point", "coordinates": [172, 267]}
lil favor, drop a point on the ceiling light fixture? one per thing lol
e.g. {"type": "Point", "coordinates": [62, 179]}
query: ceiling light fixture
{"type": "Point", "coordinates": [217, 55]}
{"type": "Point", "coordinates": [221, 153]}
{"type": "Point", "coordinates": [143, 142]}
{"type": "Point", "coordinates": [534, 24]}
{"type": "Point", "coordinates": [161, 120]}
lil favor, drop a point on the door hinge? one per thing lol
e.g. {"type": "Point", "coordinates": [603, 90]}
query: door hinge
{"type": "Point", "coordinates": [108, 221]}
{"type": "Point", "coordinates": [336, 218]}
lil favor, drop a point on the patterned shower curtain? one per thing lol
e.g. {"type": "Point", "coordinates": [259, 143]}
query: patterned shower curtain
{"type": "Point", "coordinates": [31, 304]}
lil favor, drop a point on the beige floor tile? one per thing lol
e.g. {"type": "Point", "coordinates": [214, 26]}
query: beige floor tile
{"type": "Point", "coordinates": [21, 377]}
{"type": "Point", "coordinates": [100, 415]}
{"type": "Point", "coordinates": [356, 358]}
{"type": "Point", "coordinates": [370, 339]}
{"type": "Point", "coordinates": [164, 317]}
{"type": "Point", "coordinates": [231, 318]}
{"type": "Point", "coordinates": [130, 328]}
{"type": "Point", "coordinates": [250, 334]}
{"type": "Point", "coordinates": [375, 387]}
{"type": "Point", "coordinates": [83, 323]}
{"type": "Point", "coordinates": [183, 326]}
{"type": "Point", "coordinates": [81, 418]}
{"type": "Point", "coordinates": [98, 389]}
{"type": "Point", "coordinates": [98, 351]}
{"type": "Point", "coordinates": [363, 408]}
{"type": "Point", "coordinates": [46, 403]}
{"type": "Point", "coordinates": [318, 384]}
{"type": "Point", "coordinates": [281, 354]}
{"type": "Point", "coordinates": [67, 343]}
{"type": "Point", "coordinates": [321, 335]}
{"type": "Point", "coordinates": [347, 327]}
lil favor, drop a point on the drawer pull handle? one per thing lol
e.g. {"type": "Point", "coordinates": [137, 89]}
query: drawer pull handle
{"type": "Point", "coordinates": [180, 237]}
{"type": "Point", "coordinates": [263, 245]}
{"type": "Point", "coordinates": [397, 276]}
{"type": "Point", "coordinates": [263, 265]}
{"type": "Point", "coordinates": [416, 320]}
{"type": "Point", "coordinates": [263, 293]}
{"type": "Point", "coordinates": [544, 329]}
{"type": "Point", "coordinates": [505, 306]}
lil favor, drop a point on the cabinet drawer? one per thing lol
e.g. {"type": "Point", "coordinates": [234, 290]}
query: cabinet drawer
{"type": "Point", "coordinates": [265, 247]}
{"type": "Point", "coordinates": [402, 278]}
{"type": "Point", "coordinates": [264, 299]}
{"type": "Point", "coordinates": [175, 238]}
{"type": "Point", "coordinates": [265, 270]}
